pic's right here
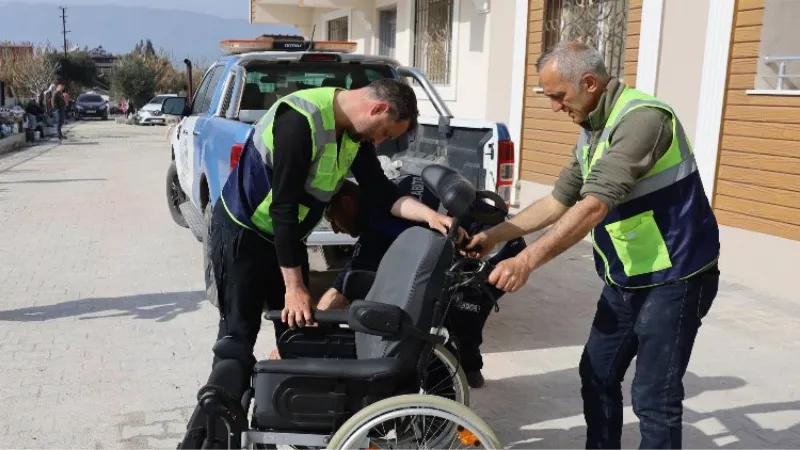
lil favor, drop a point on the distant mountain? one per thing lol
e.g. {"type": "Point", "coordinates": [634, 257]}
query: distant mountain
{"type": "Point", "coordinates": [118, 28]}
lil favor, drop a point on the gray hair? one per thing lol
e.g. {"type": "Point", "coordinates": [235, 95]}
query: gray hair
{"type": "Point", "coordinates": [574, 59]}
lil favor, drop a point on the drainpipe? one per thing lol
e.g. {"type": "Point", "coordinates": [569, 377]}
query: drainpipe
{"type": "Point", "coordinates": [189, 76]}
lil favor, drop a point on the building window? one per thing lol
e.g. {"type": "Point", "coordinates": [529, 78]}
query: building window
{"type": "Point", "coordinates": [599, 23]}
{"type": "Point", "coordinates": [778, 66]}
{"type": "Point", "coordinates": [387, 29]}
{"type": "Point", "coordinates": [338, 29]}
{"type": "Point", "coordinates": [433, 36]}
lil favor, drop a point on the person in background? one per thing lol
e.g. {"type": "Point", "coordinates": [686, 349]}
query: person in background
{"type": "Point", "coordinates": [60, 109]}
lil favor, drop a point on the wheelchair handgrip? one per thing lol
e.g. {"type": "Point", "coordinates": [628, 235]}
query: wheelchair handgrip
{"type": "Point", "coordinates": [338, 316]}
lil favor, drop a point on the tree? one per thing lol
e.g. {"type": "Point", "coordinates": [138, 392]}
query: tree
{"type": "Point", "coordinates": [134, 79]}
{"type": "Point", "coordinates": [32, 74]}
{"type": "Point", "coordinates": [76, 68]}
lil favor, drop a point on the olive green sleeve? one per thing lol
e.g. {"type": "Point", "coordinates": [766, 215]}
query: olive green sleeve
{"type": "Point", "coordinates": [641, 138]}
{"type": "Point", "coordinates": [568, 186]}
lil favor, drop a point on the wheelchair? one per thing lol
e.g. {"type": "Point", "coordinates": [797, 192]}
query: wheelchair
{"type": "Point", "coordinates": [375, 393]}
{"type": "Point", "coordinates": [444, 375]}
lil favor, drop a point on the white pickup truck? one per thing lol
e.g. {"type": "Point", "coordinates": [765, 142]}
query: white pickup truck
{"type": "Point", "coordinates": [239, 88]}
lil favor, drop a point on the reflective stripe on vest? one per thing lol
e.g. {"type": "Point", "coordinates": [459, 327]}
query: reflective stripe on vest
{"type": "Point", "coordinates": [659, 176]}
{"type": "Point", "coordinates": [322, 135]}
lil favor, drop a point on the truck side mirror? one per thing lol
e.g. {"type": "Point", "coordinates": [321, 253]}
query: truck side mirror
{"type": "Point", "coordinates": [175, 106]}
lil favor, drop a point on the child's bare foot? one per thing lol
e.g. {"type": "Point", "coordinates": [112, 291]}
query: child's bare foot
{"type": "Point", "coordinates": [274, 354]}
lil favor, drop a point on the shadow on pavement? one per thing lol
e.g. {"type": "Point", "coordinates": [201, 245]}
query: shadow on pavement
{"type": "Point", "coordinates": [554, 309]}
{"type": "Point", "coordinates": [160, 307]}
{"type": "Point", "coordinates": [546, 411]}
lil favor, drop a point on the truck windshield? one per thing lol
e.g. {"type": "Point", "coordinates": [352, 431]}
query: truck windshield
{"type": "Point", "coordinates": [266, 83]}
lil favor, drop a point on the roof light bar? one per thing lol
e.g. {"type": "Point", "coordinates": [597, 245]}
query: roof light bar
{"type": "Point", "coordinates": [237, 46]}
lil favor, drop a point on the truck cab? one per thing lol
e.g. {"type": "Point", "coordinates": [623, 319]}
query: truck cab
{"type": "Point", "coordinates": [241, 86]}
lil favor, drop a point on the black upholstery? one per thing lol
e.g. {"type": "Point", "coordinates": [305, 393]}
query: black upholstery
{"type": "Point", "coordinates": [318, 393]}
{"type": "Point", "coordinates": [252, 97]}
{"type": "Point", "coordinates": [357, 284]}
{"type": "Point", "coordinates": [365, 370]}
{"type": "Point", "coordinates": [456, 192]}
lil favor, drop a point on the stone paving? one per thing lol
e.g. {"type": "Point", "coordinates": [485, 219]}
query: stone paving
{"type": "Point", "coordinates": [105, 336]}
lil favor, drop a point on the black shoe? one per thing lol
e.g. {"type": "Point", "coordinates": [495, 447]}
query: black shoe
{"type": "Point", "coordinates": [475, 379]}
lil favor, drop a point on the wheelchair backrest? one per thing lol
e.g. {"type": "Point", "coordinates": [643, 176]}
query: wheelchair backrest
{"type": "Point", "coordinates": [411, 276]}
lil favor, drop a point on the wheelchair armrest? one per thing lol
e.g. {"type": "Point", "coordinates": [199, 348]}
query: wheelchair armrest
{"type": "Point", "coordinates": [335, 316]}
{"type": "Point", "coordinates": [357, 284]}
{"type": "Point", "coordinates": [381, 319]}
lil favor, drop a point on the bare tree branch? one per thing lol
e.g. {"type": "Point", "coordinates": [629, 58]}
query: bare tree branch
{"type": "Point", "coordinates": [32, 75]}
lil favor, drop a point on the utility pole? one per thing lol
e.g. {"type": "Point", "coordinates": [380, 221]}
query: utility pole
{"type": "Point", "coordinates": [64, 27]}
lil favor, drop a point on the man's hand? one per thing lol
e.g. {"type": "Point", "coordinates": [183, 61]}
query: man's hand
{"type": "Point", "coordinates": [479, 245]}
{"type": "Point", "coordinates": [297, 312]}
{"type": "Point", "coordinates": [443, 224]}
{"type": "Point", "coordinates": [511, 274]}
{"type": "Point", "coordinates": [332, 299]}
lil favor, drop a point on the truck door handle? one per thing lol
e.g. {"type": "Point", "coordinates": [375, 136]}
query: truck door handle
{"type": "Point", "coordinates": [196, 133]}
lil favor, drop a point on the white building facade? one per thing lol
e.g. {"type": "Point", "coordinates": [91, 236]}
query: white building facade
{"type": "Point", "coordinates": [465, 47]}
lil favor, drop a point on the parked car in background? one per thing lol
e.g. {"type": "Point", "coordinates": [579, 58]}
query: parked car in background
{"type": "Point", "coordinates": [91, 105]}
{"type": "Point", "coordinates": [150, 114]}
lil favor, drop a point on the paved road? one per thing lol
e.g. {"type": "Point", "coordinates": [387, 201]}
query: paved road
{"type": "Point", "coordinates": [105, 337]}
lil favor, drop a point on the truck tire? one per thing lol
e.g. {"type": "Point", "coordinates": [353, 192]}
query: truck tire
{"type": "Point", "coordinates": [211, 282]}
{"type": "Point", "coordinates": [175, 195]}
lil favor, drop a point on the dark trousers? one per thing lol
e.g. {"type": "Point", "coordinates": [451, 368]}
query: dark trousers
{"type": "Point", "coordinates": [249, 280]}
{"type": "Point", "coordinates": [61, 118]}
{"type": "Point", "coordinates": [465, 320]}
{"type": "Point", "coordinates": [657, 325]}
{"type": "Point", "coordinates": [248, 276]}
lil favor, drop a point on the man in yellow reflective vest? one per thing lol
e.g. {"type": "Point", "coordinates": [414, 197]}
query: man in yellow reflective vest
{"type": "Point", "coordinates": [300, 153]}
{"type": "Point", "coordinates": [656, 243]}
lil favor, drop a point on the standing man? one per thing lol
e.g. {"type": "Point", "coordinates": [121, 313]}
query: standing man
{"type": "Point", "coordinates": [60, 108]}
{"type": "Point", "coordinates": [656, 243]}
{"type": "Point", "coordinates": [302, 150]}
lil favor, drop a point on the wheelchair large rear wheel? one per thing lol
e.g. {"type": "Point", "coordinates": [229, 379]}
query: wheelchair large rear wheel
{"type": "Point", "coordinates": [414, 421]}
{"type": "Point", "coordinates": [446, 378]}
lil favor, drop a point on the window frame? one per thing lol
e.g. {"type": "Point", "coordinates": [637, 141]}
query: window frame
{"type": "Point", "coordinates": [448, 91]}
{"type": "Point", "coordinates": [338, 14]}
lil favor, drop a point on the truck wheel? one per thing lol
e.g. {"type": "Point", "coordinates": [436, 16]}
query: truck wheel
{"type": "Point", "coordinates": [211, 282]}
{"type": "Point", "coordinates": [175, 195]}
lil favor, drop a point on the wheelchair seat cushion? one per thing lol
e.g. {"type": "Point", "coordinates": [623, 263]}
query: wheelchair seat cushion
{"type": "Point", "coordinates": [366, 369]}
{"type": "Point", "coordinates": [411, 276]}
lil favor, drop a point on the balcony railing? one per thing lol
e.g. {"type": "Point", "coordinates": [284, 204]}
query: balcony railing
{"type": "Point", "coordinates": [782, 61]}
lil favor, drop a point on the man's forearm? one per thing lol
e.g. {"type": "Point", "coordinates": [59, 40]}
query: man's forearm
{"type": "Point", "coordinates": [293, 277]}
{"type": "Point", "coordinates": [540, 214]}
{"type": "Point", "coordinates": [409, 208]}
{"type": "Point", "coordinates": [565, 233]}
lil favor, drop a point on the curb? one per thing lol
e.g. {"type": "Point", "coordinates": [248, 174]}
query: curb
{"type": "Point", "coordinates": [12, 143]}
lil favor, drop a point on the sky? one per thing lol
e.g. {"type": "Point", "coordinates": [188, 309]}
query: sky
{"type": "Point", "coordinates": [233, 9]}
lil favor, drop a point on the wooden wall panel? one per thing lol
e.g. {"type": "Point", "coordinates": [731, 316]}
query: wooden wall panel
{"type": "Point", "coordinates": [758, 175]}
{"type": "Point", "coordinates": [548, 137]}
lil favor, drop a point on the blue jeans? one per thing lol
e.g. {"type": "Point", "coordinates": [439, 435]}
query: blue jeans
{"type": "Point", "coordinates": [61, 118]}
{"type": "Point", "coordinates": [657, 325]}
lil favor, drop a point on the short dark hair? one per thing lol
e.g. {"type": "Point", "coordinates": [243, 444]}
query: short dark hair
{"type": "Point", "coordinates": [348, 189]}
{"type": "Point", "coordinates": [400, 97]}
